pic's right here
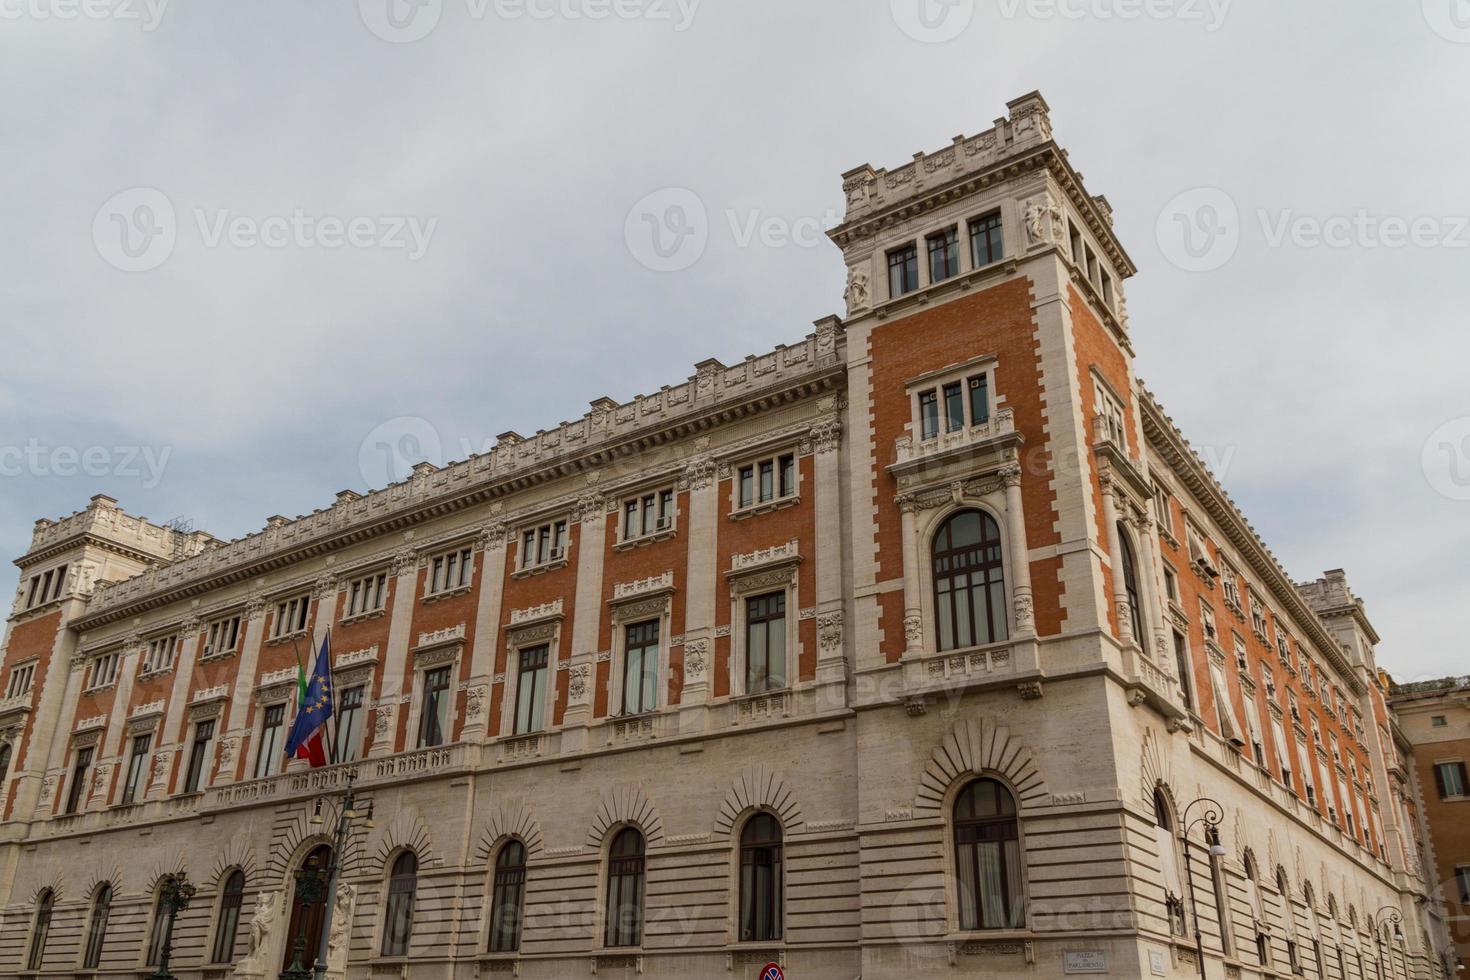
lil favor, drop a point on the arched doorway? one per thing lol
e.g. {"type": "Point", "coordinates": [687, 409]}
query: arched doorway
{"type": "Point", "coordinates": [308, 916]}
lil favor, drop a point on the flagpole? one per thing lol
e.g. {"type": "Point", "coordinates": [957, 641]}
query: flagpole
{"type": "Point", "coordinates": [329, 735]}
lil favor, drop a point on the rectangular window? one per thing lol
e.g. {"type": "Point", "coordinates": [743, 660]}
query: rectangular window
{"type": "Point", "coordinates": [367, 595]}
{"type": "Point", "coordinates": [944, 254]}
{"type": "Point", "coordinates": [928, 414]}
{"type": "Point", "coordinates": [903, 271]}
{"type": "Point", "coordinates": [1181, 664]}
{"type": "Point", "coordinates": [223, 636]}
{"type": "Point", "coordinates": [768, 480]}
{"type": "Point", "coordinates": [104, 671]}
{"type": "Point", "coordinates": [544, 544]}
{"type": "Point", "coordinates": [765, 643]}
{"type": "Point", "coordinates": [349, 723]}
{"type": "Point", "coordinates": [1438, 721]}
{"type": "Point", "coordinates": [640, 668]}
{"type": "Point", "coordinates": [1111, 410]}
{"type": "Point", "coordinates": [531, 689]}
{"type": "Point", "coordinates": [434, 722]}
{"type": "Point", "coordinates": [649, 513]}
{"type": "Point", "coordinates": [1171, 584]}
{"type": "Point", "coordinates": [1449, 779]}
{"type": "Point", "coordinates": [21, 679]}
{"type": "Point", "coordinates": [1462, 878]}
{"type": "Point", "coordinates": [1164, 511]}
{"type": "Point", "coordinates": [1278, 742]}
{"type": "Point", "coordinates": [985, 239]}
{"type": "Point", "coordinates": [81, 778]}
{"type": "Point", "coordinates": [195, 776]}
{"type": "Point", "coordinates": [46, 587]}
{"type": "Point", "coordinates": [979, 399]}
{"type": "Point", "coordinates": [160, 654]}
{"type": "Point", "coordinates": [290, 616]}
{"type": "Point", "coordinates": [134, 786]}
{"type": "Point", "coordinates": [954, 407]}
{"type": "Point", "coordinates": [268, 758]}
{"type": "Point", "coordinates": [449, 571]}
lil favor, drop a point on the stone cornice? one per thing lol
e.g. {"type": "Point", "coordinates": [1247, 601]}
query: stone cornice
{"type": "Point", "coordinates": [714, 396]}
{"type": "Point", "coordinates": [1166, 440]}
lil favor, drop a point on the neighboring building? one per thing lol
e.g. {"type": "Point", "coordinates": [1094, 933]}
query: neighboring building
{"type": "Point", "coordinates": [918, 647]}
{"type": "Point", "coordinates": [1435, 718]}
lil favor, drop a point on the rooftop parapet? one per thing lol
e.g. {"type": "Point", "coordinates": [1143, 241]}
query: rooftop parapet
{"type": "Point", "coordinates": [104, 520]}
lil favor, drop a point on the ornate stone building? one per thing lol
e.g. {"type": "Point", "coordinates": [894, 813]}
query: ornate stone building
{"type": "Point", "coordinates": [906, 649]}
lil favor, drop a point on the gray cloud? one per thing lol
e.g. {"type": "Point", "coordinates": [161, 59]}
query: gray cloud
{"type": "Point", "coordinates": [264, 369]}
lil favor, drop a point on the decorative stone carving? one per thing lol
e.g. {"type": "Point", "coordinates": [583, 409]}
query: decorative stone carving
{"type": "Point", "coordinates": [641, 609]}
{"type": "Point", "coordinates": [765, 556]}
{"type": "Point", "coordinates": [857, 294]}
{"type": "Point", "coordinates": [654, 583]}
{"type": "Point", "coordinates": [382, 720]}
{"type": "Point", "coordinates": [699, 474]}
{"type": "Point", "coordinates": [226, 751]}
{"type": "Point", "coordinates": [474, 702]}
{"type": "Point", "coordinates": [262, 925]}
{"type": "Point", "coordinates": [829, 632]}
{"type": "Point", "coordinates": [1030, 690]}
{"type": "Point", "coordinates": [913, 629]}
{"type": "Point", "coordinates": [531, 614]}
{"type": "Point", "coordinates": [696, 660]}
{"type": "Point", "coordinates": [826, 436]}
{"type": "Point", "coordinates": [341, 923]}
{"type": "Point", "coordinates": [1025, 613]}
{"type": "Point", "coordinates": [160, 765]}
{"type": "Point", "coordinates": [578, 683]}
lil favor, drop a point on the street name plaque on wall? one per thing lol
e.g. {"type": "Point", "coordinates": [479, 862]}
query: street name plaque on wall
{"type": "Point", "coordinates": [1085, 961]}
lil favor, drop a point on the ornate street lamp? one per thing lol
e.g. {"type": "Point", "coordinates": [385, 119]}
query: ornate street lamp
{"type": "Point", "coordinates": [174, 896]}
{"type": "Point", "coordinates": [1210, 818]}
{"type": "Point", "coordinates": [1396, 917]}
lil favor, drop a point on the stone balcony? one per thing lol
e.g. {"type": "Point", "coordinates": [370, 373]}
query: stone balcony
{"type": "Point", "coordinates": [910, 454]}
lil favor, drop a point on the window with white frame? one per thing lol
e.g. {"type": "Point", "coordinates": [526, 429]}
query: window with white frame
{"type": "Point", "coordinates": [290, 616]}
{"type": "Point", "coordinates": [22, 677]}
{"type": "Point", "coordinates": [765, 481]}
{"type": "Point", "coordinates": [647, 514]}
{"type": "Point", "coordinates": [1111, 410]}
{"type": "Point", "coordinates": [350, 711]}
{"type": "Point", "coordinates": [952, 404]}
{"type": "Point", "coordinates": [640, 667]}
{"type": "Point", "coordinates": [46, 586]}
{"type": "Point", "coordinates": [104, 670]}
{"type": "Point", "coordinates": [944, 254]}
{"type": "Point", "coordinates": [367, 594]}
{"type": "Point", "coordinates": [544, 544]}
{"type": "Point", "coordinates": [532, 665]}
{"type": "Point", "coordinates": [765, 643]}
{"type": "Point", "coordinates": [1164, 510]}
{"type": "Point", "coordinates": [1258, 615]}
{"type": "Point", "coordinates": [434, 722]}
{"type": "Point", "coordinates": [986, 241]}
{"type": "Point", "coordinates": [159, 654]}
{"type": "Point", "coordinates": [1171, 583]}
{"type": "Point", "coordinates": [272, 729]}
{"type": "Point", "coordinates": [450, 571]}
{"type": "Point", "coordinates": [1230, 586]}
{"type": "Point", "coordinates": [222, 637]}
{"type": "Point", "coordinates": [1207, 620]}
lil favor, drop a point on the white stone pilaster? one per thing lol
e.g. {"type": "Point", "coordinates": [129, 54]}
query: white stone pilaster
{"type": "Point", "coordinates": [405, 572]}
{"type": "Point", "coordinates": [487, 631]}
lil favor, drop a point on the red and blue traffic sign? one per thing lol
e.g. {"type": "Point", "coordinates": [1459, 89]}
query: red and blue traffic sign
{"type": "Point", "coordinates": [772, 971]}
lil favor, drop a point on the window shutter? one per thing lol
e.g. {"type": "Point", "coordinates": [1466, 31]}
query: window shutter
{"type": "Point", "coordinates": [1439, 781]}
{"type": "Point", "coordinates": [1168, 858]}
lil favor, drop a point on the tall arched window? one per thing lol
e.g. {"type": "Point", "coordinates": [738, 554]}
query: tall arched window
{"type": "Point", "coordinates": [506, 910]}
{"type": "Point", "coordinates": [988, 874]}
{"type": "Point", "coordinates": [760, 879]}
{"type": "Point", "coordinates": [625, 889]}
{"type": "Point", "coordinates": [403, 885]}
{"type": "Point", "coordinates": [1130, 583]}
{"type": "Point", "coordinates": [156, 931]}
{"type": "Point", "coordinates": [1168, 849]}
{"type": "Point", "coordinates": [229, 917]}
{"type": "Point", "coordinates": [969, 582]}
{"type": "Point", "coordinates": [42, 929]}
{"type": "Point", "coordinates": [97, 928]}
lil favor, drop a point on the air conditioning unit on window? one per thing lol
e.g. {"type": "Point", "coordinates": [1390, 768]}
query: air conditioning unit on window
{"type": "Point", "coordinates": [557, 554]}
{"type": "Point", "coordinates": [664, 523]}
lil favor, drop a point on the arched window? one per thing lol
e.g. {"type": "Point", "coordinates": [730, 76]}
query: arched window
{"type": "Point", "coordinates": [760, 879]}
{"type": "Point", "coordinates": [969, 582]}
{"type": "Point", "coordinates": [97, 928]}
{"type": "Point", "coordinates": [229, 917]}
{"type": "Point", "coordinates": [987, 845]}
{"type": "Point", "coordinates": [403, 885]}
{"type": "Point", "coordinates": [625, 889]}
{"type": "Point", "coordinates": [1130, 583]}
{"type": "Point", "coordinates": [1253, 895]}
{"type": "Point", "coordinates": [42, 929]}
{"type": "Point", "coordinates": [506, 910]}
{"type": "Point", "coordinates": [156, 931]}
{"type": "Point", "coordinates": [1168, 849]}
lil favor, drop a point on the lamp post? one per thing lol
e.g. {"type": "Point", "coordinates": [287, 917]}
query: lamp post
{"type": "Point", "coordinates": [1210, 817]}
{"type": "Point", "coordinates": [174, 895]}
{"type": "Point", "coordinates": [1394, 916]}
{"type": "Point", "coordinates": [349, 811]}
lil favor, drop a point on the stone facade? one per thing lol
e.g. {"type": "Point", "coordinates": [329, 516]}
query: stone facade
{"type": "Point", "coordinates": [1434, 718]}
{"type": "Point", "coordinates": [1141, 650]}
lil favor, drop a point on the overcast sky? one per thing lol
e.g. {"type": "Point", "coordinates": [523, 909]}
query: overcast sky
{"type": "Point", "coordinates": [465, 170]}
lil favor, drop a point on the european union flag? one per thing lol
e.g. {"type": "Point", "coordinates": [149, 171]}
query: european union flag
{"type": "Point", "coordinates": [315, 707]}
